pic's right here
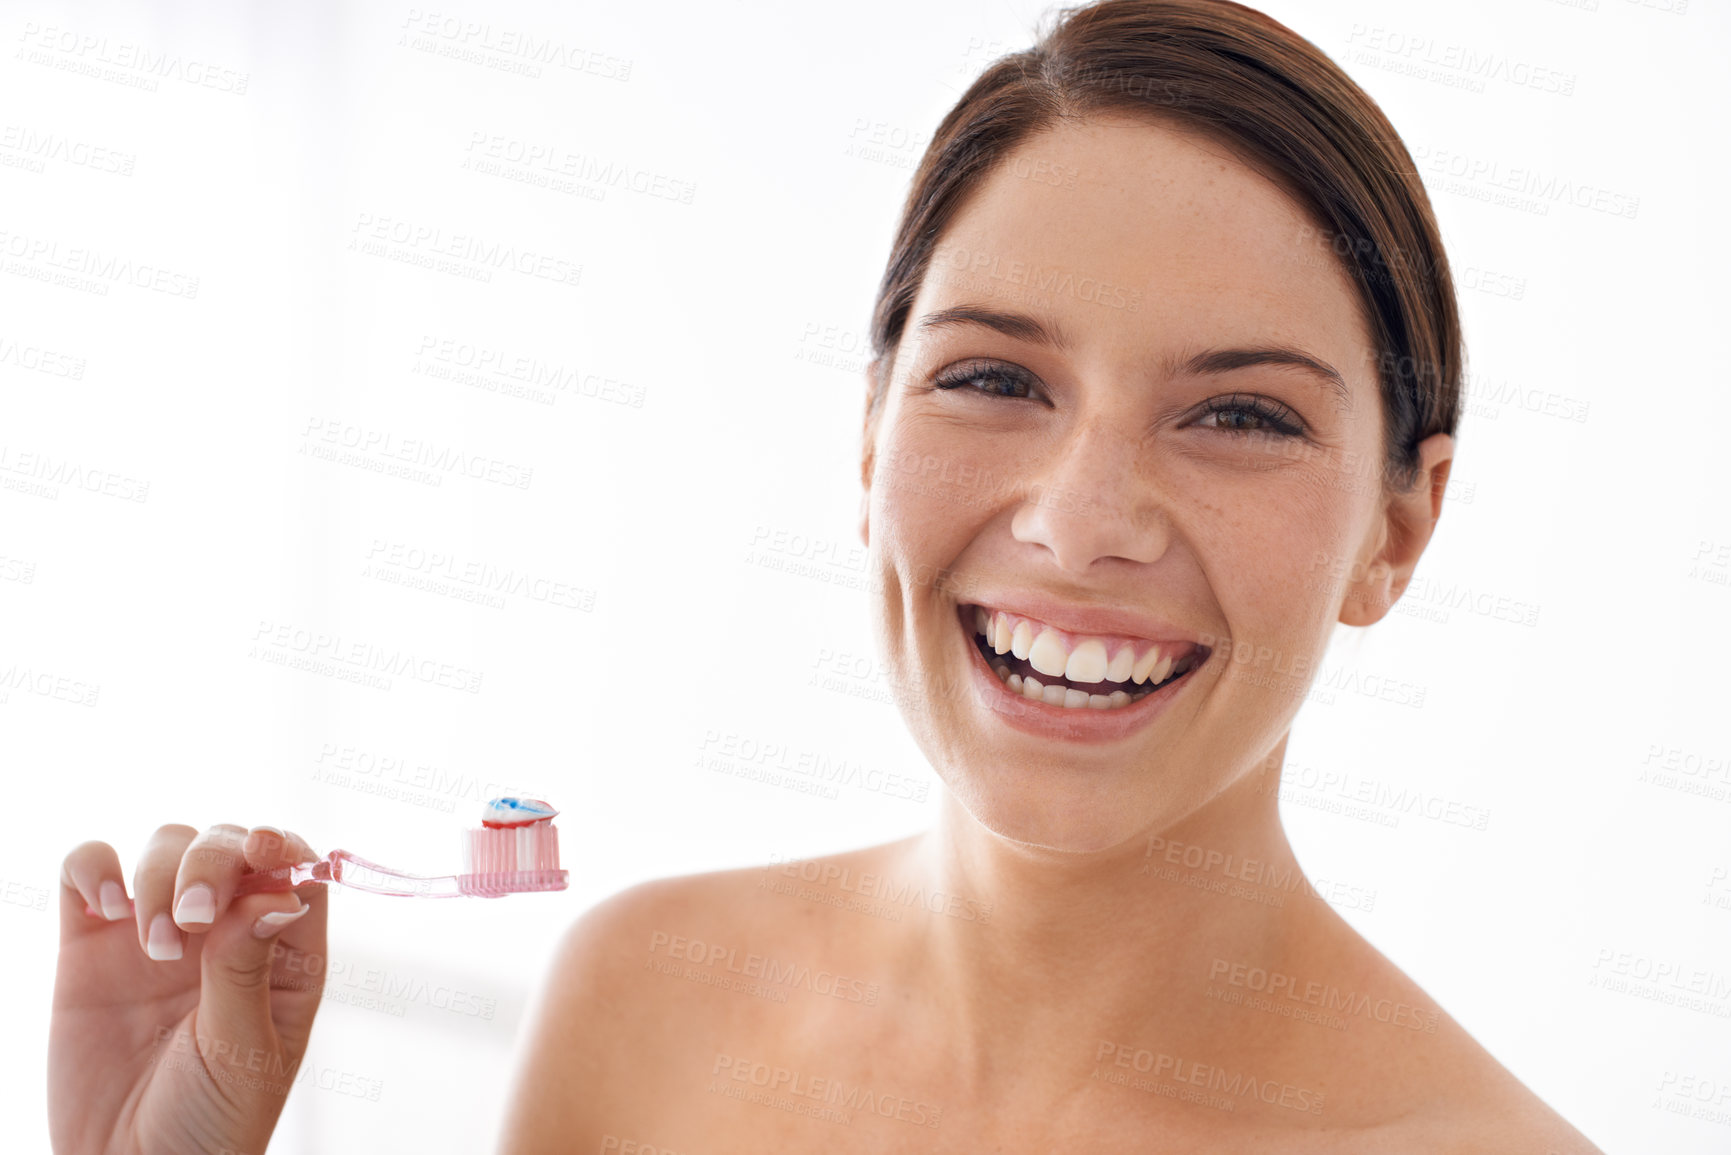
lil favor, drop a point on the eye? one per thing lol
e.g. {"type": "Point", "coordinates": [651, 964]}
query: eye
{"type": "Point", "coordinates": [1001, 378]}
{"type": "Point", "coordinates": [1249, 413]}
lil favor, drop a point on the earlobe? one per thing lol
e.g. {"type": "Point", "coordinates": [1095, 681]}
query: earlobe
{"type": "Point", "coordinates": [1409, 518]}
{"type": "Point", "coordinates": [1369, 595]}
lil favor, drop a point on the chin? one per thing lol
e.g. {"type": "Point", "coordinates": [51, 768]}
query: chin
{"type": "Point", "coordinates": [1049, 817]}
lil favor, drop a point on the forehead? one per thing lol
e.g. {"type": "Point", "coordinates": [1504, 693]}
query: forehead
{"type": "Point", "coordinates": [1131, 233]}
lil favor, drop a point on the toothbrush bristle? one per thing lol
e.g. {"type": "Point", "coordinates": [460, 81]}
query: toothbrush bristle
{"type": "Point", "coordinates": [510, 849]}
{"type": "Point", "coordinates": [515, 849]}
{"type": "Point", "coordinates": [512, 859]}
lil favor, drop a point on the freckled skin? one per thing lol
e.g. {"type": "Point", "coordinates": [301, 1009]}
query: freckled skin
{"type": "Point", "coordinates": [1096, 950]}
{"type": "Point", "coordinates": [1218, 531]}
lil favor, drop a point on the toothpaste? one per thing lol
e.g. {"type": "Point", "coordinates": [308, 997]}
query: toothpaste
{"type": "Point", "coordinates": [500, 813]}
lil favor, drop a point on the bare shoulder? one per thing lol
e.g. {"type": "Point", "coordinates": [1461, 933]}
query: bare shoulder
{"type": "Point", "coordinates": [1502, 1116]}
{"type": "Point", "coordinates": [1435, 1087]}
{"type": "Point", "coordinates": [644, 991]}
{"type": "Point", "coordinates": [1481, 1106]}
{"type": "Point", "coordinates": [707, 916]}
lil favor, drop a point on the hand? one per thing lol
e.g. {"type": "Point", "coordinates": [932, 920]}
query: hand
{"type": "Point", "coordinates": [180, 1018]}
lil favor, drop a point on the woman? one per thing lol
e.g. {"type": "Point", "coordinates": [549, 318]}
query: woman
{"type": "Point", "coordinates": [1167, 371]}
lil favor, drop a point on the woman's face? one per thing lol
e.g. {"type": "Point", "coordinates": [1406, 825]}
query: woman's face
{"type": "Point", "coordinates": [1160, 463]}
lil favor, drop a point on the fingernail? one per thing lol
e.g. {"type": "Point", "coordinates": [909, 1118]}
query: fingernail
{"type": "Point", "coordinates": [163, 945]}
{"type": "Point", "coordinates": [198, 904]}
{"type": "Point", "coordinates": [113, 897]}
{"type": "Point", "coordinates": [269, 924]}
{"type": "Point", "coordinates": [274, 838]}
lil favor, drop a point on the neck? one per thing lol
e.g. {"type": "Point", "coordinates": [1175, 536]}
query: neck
{"type": "Point", "coordinates": [1128, 939]}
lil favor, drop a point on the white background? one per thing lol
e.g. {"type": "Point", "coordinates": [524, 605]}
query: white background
{"type": "Point", "coordinates": [680, 501]}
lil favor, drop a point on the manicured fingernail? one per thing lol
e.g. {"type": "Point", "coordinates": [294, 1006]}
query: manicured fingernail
{"type": "Point", "coordinates": [163, 945]}
{"type": "Point", "coordinates": [198, 904]}
{"type": "Point", "coordinates": [270, 838]}
{"type": "Point", "coordinates": [114, 906]}
{"type": "Point", "coordinates": [269, 924]}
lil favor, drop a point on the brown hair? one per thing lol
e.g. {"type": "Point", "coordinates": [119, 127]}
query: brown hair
{"type": "Point", "coordinates": [1272, 96]}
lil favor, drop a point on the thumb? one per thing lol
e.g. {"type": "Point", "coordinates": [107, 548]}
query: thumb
{"type": "Point", "coordinates": [234, 1001]}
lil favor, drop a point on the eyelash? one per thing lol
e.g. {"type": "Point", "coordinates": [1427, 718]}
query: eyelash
{"type": "Point", "coordinates": [982, 371]}
{"type": "Point", "coordinates": [1279, 421]}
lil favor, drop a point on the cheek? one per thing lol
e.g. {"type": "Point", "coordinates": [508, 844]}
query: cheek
{"type": "Point", "coordinates": [1265, 543]}
{"type": "Point", "coordinates": [931, 487]}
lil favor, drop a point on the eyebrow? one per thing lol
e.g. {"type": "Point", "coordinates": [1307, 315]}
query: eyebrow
{"type": "Point", "coordinates": [1226, 360]}
{"type": "Point", "coordinates": [1018, 325]}
{"type": "Point", "coordinates": [1024, 327]}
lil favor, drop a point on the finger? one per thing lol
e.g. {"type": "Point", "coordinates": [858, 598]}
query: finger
{"type": "Point", "coordinates": [307, 935]}
{"type": "Point", "coordinates": [300, 966]}
{"type": "Point", "coordinates": [235, 961]}
{"type": "Point", "coordinates": [92, 889]}
{"type": "Point", "coordinates": [268, 848]}
{"type": "Point", "coordinates": [153, 889]}
{"type": "Point", "coordinates": [204, 884]}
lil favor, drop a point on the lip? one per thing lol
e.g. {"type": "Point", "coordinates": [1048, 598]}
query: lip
{"type": "Point", "coordinates": [1101, 620]}
{"type": "Point", "coordinates": [1079, 724]}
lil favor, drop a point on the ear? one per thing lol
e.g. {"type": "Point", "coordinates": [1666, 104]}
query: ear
{"type": "Point", "coordinates": [865, 508]}
{"type": "Point", "coordinates": [1409, 518]}
{"type": "Point", "coordinates": [868, 457]}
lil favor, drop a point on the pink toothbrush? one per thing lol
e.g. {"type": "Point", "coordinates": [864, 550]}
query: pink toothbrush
{"type": "Point", "coordinates": [515, 850]}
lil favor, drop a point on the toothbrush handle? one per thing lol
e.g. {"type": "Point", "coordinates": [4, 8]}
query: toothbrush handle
{"type": "Point", "coordinates": [286, 877]}
{"type": "Point", "coordinates": [354, 871]}
{"type": "Point", "coordinates": [350, 870]}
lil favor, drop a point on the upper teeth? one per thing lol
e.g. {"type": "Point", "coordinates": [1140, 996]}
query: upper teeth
{"type": "Point", "coordinates": [1075, 657]}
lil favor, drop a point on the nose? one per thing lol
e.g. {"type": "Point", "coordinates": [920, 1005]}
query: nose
{"type": "Point", "coordinates": [1091, 500]}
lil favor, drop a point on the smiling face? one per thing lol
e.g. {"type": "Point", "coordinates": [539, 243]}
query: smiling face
{"type": "Point", "coordinates": [1134, 412]}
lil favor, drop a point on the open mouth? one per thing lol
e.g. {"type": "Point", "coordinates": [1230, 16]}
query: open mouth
{"type": "Point", "coordinates": [1075, 671]}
